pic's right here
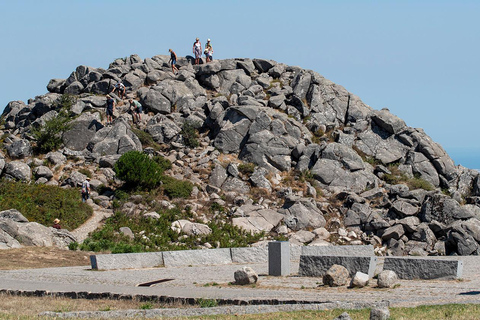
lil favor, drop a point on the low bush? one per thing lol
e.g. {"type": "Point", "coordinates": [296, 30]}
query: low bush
{"type": "Point", "coordinates": [42, 203]}
{"type": "Point", "coordinates": [138, 170]}
{"type": "Point", "coordinates": [175, 188]}
{"type": "Point", "coordinates": [190, 135]}
{"type": "Point", "coordinates": [246, 168]}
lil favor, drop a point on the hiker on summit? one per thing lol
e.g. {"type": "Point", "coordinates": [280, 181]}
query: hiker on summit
{"type": "Point", "coordinates": [209, 51]}
{"type": "Point", "coordinates": [136, 109]}
{"type": "Point", "coordinates": [173, 60]}
{"type": "Point", "coordinates": [197, 50]}
{"type": "Point", "coordinates": [109, 109]}
{"type": "Point", "coordinates": [120, 87]}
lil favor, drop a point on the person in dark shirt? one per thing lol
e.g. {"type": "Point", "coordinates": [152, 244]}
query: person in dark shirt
{"type": "Point", "coordinates": [173, 59]}
{"type": "Point", "coordinates": [110, 108]}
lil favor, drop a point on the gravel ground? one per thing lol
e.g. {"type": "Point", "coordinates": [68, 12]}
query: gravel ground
{"type": "Point", "coordinates": [212, 282]}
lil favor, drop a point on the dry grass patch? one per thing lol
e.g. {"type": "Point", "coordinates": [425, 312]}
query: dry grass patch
{"type": "Point", "coordinates": [41, 257]}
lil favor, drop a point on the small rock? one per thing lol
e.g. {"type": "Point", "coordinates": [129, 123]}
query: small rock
{"type": "Point", "coordinates": [336, 276]}
{"type": "Point", "coordinates": [127, 232]}
{"type": "Point", "coordinates": [360, 280]}
{"type": "Point", "coordinates": [380, 314]}
{"type": "Point", "coordinates": [343, 316]}
{"type": "Point", "coordinates": [387, 279]}
{"type": "Point", "coordinates": [245, 276]}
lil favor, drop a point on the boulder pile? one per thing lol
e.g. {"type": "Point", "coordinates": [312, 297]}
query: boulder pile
{"type": "Point", "coordinates": [326, 168]}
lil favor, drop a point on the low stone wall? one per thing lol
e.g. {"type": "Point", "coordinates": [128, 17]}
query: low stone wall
{"type": "Point", "coordinates": [185, 258]}
{"type": "Point", "coordinates": [409, 268]}
{"type": "Point", "coordinates": [317, 266]}
{"type": "Point", "coordinates": [357, 251]}
{"type": "Point", "coordinates": [126, 260]}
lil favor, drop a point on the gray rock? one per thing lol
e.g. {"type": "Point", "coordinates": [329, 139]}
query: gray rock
{"type": "Point", "coordinates": [343, 316]}
{"type": "Point", "coordinates": [387, 121]}
{"type": "Point", "coordinates": [126, 231]}
{"type": "Point", "coordinates": [317, 266]}
{"type": "Point", "coordinates": [18, 170]}
{"type": "Point", "coordinates": [19, 149]}
{"type": "Point", "coordinates": [421, 268]}
{"type": "Point", "coordinates": [444, 209]}
{"type": "Point", "coordinates": [56, 158]}
{"type": "Point", "coordinates": [218, 176]}
{"type": "Point", "coordinates": [359, 280]}
{"type": "Point", "coordinates": [336, 276]}
{"type": "Point", "coordinates": [261, 220]}
{"type": "Point", "coordinates": [303, 214]}
{"type": "Point", "coordinates": [379, 314]}
{"type": "Point", "coordinates": [259, 180]}
{"type": "Point", "coordinates": [13, 215]}
{"type": "Point", "coordinates": [387, 279]}
{"type": "Point", "coordinates": [395, 232]}
{"type": "Point", "coordinates": [43, 171]}
{"type": "Point", "coordinates": [82, 131]}
{"type": "Point", "coordinates": [404, 208]}
{"type": "Point", "coordinates": [245, 276]}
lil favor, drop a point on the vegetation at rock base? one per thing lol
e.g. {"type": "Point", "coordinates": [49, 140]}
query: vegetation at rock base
{"type": "Point", "coordinates": [398, 176]}
{"type": "Point", "coordinates": [49, 135]}
{"type": "Point", "coordinates": [157, 235]}
{"type": "Point", "coordinates": [43, 203]}
{"type": "Point", "coordinates": [190, 135]}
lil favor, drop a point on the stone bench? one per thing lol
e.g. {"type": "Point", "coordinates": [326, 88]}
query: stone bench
{"type": "Point", "coordinates": [409, 268]}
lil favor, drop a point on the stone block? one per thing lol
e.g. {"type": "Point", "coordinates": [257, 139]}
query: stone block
{"type": "Point", "coordinates": [197, 257]}
{"type": "Point", "coordinates": [279, 258]}
{"type": "Point", "coordinates": [409, 268]}
{"type": "Point", "coordinates": [356, 251]}
{"type": "Point", "coordinates": [249, 255]}
{"type": "Point", "coordinates": [317, 266]}
{"type": "Point", "coordinates": [126, 260]}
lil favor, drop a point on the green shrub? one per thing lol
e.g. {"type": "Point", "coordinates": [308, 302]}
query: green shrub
{"type": "Point", "coordinates": [146, 139]}
{"type": "Point", "coordinates": [138, 170]}
{"type": "Point", "coordinates": [49, 136]}
{"type": "Point", "coordinates": [190, 135]}
{"type": "Point", "coordinates": [207, 303]}
{"type": "Point", "coordinates": [164, 163]}
{"type": "Point", "coordinates": [43, 203]}
{"type": "Point", "coordinates": [175, 188]}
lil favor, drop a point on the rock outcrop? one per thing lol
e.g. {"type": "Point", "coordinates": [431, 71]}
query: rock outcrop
{"type": "Point", "coordinates": [321, 158]}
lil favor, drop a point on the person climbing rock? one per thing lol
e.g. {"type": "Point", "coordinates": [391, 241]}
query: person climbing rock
{"type": "Point", "coordinates": [197, 50]}
{"type": "Point", "coordinates": [173, 60]}
{"type": "Point", "coordinates": [109, 109]}
{"type": "Point", "coordinates": [208, 51]}
{"type": "Point", "coordinates": [120, 88]}
{"type": "Point", "coordinates": [136, 110]}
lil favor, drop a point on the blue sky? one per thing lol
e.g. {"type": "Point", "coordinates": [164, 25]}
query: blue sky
{"type": "Point", "coordinates": [419, 58]}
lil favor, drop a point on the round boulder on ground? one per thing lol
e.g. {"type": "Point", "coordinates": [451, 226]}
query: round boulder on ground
{"type": "Point", "coordinates": [387, 279]}
{"type": "Point", "coordinates": [245, 276]}
{"type": "Point", "coordinates": [336, 276]}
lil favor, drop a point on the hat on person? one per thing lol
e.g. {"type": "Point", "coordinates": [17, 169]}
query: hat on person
{"type": "Point", "coordinates": [88, 178]}
{"type": "Point", "coordinates": [56, 221]}
{"type": "Point", "coordinates": [208, 40]}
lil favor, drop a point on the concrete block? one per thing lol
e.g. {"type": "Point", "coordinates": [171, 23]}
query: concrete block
{"type": "Point", "coordinates": [126, 260]}
{"type": "Point", "coordinates": [279, 258]}
{"type": "Point", "coordinates": [196, 257]}
{"type": "Point", "coordinates": [424, 268]}
{"type": "Point", "coordinates": [249, 255]}
{"type": "Point", "coordinates": [317, 266]}
{"type": "Point", "coordinates": [356, 251]}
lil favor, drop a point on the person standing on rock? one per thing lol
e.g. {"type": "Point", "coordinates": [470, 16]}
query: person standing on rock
{"type": "Point", "coordinates": [86, 189]}
{"type": "Point", "coordinates": [197, 50]}
{"type": "Point", "coordinates": [209, 51]}
{"type": "Point", "coordinates": [136, 108]}
{"type": "Point", "coordinates": [120, 87]}
{"type": "Point", "coordinates": [173, 60]}
{"type": "Point", "coordinates": [110, 108]}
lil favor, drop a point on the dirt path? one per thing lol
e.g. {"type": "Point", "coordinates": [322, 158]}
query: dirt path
{"type": "Point", "coordinates": [95, 221]}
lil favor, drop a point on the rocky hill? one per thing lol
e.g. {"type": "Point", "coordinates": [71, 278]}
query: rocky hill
{"type": "Point", "coordinates": [282, 149]}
